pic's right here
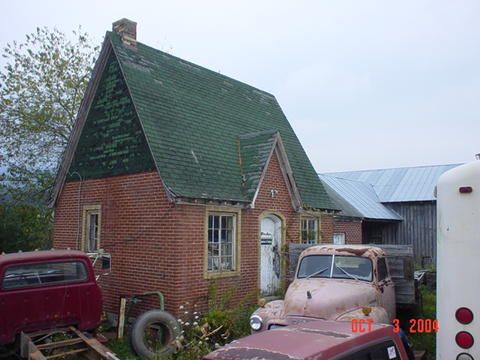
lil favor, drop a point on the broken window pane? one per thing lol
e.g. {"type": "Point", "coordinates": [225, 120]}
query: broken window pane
{"type": "Point", "coordinates": [220, 242]}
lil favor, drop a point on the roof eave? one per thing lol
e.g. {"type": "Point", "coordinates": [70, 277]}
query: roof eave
{"type": "Point", "coordinates": [82, 115]}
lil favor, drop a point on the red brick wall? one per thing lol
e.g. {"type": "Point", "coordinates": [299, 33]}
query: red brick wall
{"type": "Point", "coordinates": [136, 228]}
{"type": "Point", "coordinates": [158, 245]}
{"type": "Point", "coordinates": [334, 224]}
{"type": "Point", "coordinates": [326, 228]}
{"type": "Point", "coordinates": [352, 229]}
{"type": "Point", "coordinates": [195, 287]}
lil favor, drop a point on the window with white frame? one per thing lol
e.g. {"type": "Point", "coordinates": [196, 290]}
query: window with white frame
{"type": "Point", "coordinates": [309, 230]}
{"type": "Point", "coordinates": [91, 231]}
{"type": "Point", "coordinates": [339, 238]}
{"type": "Point", "coordinates": [221, 240]}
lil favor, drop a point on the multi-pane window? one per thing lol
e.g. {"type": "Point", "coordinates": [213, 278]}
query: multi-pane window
{"type": "Point", "coordinates": [309, 230]}
{"type": "Point", "coordinates": [91, 240]}
{"type": "Point", "coordinates": [221, 242]}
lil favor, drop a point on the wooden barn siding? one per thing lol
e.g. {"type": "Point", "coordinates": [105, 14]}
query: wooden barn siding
{"type": "Point", "coordinates": [419, 228]}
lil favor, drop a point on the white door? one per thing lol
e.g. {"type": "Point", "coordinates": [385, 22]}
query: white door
{"type": "Point", "coordinates": [270, 243]}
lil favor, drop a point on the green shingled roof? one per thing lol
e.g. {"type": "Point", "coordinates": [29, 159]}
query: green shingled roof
{"type": "Point", "coordinates": [255, 149]}
{"type": "Point", "coordinates": [195, 122]}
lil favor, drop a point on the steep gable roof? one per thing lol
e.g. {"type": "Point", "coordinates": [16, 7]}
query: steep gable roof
{"type": "Point", "coordinates": [193, 120]}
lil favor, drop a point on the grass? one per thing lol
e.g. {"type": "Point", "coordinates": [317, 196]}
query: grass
{"type": "Point", "coordinates": [122, 349]}
{"type": "Point", "coordinates": [426, 341]}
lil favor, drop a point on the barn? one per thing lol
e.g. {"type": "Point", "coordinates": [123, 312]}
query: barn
{"type": "Point", "coordinates": [394, 206]}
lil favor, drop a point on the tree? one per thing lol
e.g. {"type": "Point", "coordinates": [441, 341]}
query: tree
{"type": "Point", "coordinates": [41, 88]}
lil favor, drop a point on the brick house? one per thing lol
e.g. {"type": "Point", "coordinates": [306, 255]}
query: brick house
{"type": "Point", "coordinates": [185, 176]}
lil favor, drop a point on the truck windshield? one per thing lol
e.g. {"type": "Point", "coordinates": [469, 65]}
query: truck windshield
{"type": "Point", "coordinates": [331, 266]}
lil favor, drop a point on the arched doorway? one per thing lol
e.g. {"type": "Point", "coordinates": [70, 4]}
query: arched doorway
{"type": "Point", "coordinates": [270, 252]}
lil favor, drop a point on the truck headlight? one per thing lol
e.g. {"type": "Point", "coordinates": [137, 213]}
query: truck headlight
{"type": "Point", "coordinates": [256, 322]}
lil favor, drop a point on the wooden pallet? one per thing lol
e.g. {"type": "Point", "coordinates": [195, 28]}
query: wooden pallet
{"type": "Point", "coordinates": [37, 346]}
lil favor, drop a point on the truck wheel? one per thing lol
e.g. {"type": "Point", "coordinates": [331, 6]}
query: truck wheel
{"type": "Point", "coordinates": [153, 333]}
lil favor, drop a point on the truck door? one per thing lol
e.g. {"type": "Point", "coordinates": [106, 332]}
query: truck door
{"type": "Point", "coordinates": [386, 288]}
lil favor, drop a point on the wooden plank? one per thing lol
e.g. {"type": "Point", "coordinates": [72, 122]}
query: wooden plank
{"type": "Point", "coordinates": [58, 344]}
{"type": "Point", "coordinates": [121, 318]}
{"type": "Point", "coordinates": [94, 345]}
{"type": "Point", "coordinates": [66, 354]}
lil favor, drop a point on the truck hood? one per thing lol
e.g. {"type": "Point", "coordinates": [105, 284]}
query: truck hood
{"type": "Point", "coordinates": [327, 298]}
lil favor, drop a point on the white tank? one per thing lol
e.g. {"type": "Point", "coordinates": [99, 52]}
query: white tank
{"type": "Point", "coordinates": [458, 258]}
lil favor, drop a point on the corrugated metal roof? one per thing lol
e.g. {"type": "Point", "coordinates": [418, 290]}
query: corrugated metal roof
{"type": "Point", "coordinates": [357, 199]}
{"type": "Point", "coordinates": [400, 184]}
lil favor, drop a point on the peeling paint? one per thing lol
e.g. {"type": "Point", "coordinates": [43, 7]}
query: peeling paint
{"type": "Point", "coordinates": [248, 353]}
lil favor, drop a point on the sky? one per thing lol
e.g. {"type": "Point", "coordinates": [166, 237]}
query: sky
{"type": "Point", "coordinates": [364, 84]}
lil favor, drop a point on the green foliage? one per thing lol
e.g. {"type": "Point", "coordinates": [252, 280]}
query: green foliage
{"type": "Point", "coordinates": [122, 349]}
{"type": "Point", "coordinates": [221, 324]}
{"type": "Point", "coordinates": [426, 341]}
{"type": "Point", "coordinates": [41, 88]}
{"type": "Point", "coordinates": [24, 227]}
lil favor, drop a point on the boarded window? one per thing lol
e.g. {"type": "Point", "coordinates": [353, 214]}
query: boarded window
{"type": "Point", "coordinates": [221, 242]}
{"type": "Point", "coordinates": [309, 230]}
{"type": "Point", "coordinates": [51, 273]}
{"type": "Point", "coordinates": [91, 231]}
{"type": "Point", "coordinates": [339, 238]}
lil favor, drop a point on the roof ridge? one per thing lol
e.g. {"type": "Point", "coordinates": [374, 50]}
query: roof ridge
{"type": "Point", "coordinates": [393, 168]}
{"type": "Point", "coordinates": [110, 33]}
{"type": "Point", "coordinates": [342, 178]}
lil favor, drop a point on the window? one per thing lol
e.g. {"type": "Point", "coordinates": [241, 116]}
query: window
{"type": "Point", "coordinates": [339, 238]}
{"type": "Point", "coordinates": [221, 242]}
{"type": "Point", "coordinates": [382, 269]}
{"type": "Point", "coordinates": [335, 266]}
{"type": "Point", "coordinates": [91, 230]}
{"type": "Point", "coordinates": [309, 230]}
{"type": "Point", "coordinates": [52, 273]}
{"type": "Point", "coordinates": [386, 350]}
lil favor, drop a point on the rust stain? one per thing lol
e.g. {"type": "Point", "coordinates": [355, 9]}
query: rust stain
{"type": "Point", "coordinates": [367, 251]}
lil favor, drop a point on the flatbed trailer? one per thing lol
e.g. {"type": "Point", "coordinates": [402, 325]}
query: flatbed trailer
{"type": "Point", "coordinates": [72, 342]}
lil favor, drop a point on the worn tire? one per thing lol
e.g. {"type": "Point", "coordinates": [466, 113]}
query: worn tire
{"type": "Point", "coordinates": [154, 320]}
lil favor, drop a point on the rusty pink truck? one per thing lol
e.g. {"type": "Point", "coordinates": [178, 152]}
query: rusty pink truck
{"type": "Point", "coordinates": [333, 282]}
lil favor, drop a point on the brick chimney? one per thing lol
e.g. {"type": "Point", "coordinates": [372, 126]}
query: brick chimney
{"type": "Point", "coordinates": [127, 29]}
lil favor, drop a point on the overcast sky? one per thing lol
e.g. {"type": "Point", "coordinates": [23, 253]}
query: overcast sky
{"type": "Point", "coordinates": [365, 84]}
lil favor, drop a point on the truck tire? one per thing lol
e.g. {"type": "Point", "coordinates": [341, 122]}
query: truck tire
{"type": "Point", "coordinates": [153, 334]}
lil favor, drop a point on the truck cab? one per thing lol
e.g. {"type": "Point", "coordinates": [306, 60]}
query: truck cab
{"type": "Point", "coordinates": [42, 290]}
{"type": "Point", "coordinates": [317, 339]}
{"type": "Point", "coordinates": [333, 282]}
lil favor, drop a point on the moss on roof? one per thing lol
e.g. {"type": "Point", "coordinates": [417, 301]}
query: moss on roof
{"type": "Point", "coordinates": [193, 119]}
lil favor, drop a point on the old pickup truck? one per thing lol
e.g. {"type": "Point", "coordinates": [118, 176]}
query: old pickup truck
{"type": "Point", "coordinates": [319, 340]}
{"type": "Point", "coordinates": [333, 282]}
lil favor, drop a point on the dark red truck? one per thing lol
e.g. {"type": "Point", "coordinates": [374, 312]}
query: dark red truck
{"type": "Point", "coordinates": [47, 289]}
{"type": "Point", "coordinates": [319, 340]}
